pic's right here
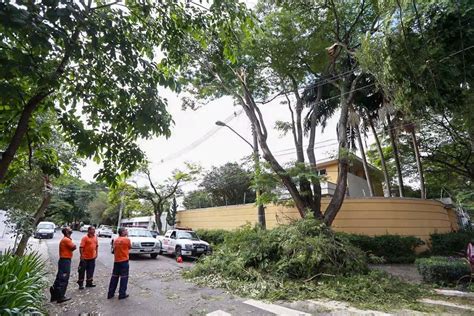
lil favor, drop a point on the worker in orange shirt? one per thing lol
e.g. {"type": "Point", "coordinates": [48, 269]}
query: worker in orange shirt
{"type": "Point", "coordinates": [88, 249]}
{"type": "Point", "coordinates": [66, 247]}
{"type": "Point", "coordinates": [122, 247]}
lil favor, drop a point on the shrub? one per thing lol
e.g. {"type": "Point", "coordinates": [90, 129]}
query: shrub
{"type": "Point", "coordinates": [302, 250]}
{"type": "Point", "coordinates": [21, 284]}
{"type": "Point", "coordinates": [392, 248]}
{"type": "Point", "coordinates": [213, 236]}
{"type": "Point", "coordinates": [450, 244]}
{"type": "Point", "coordinates": [442, 270]}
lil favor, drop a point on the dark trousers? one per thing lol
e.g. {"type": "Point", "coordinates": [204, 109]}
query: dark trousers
{"type": "Point", "coordinates": [62, 278]}
{"type": "Point", "coordinates": [120, 271]}
{"type": "Point", "coordinates": [87, 267]}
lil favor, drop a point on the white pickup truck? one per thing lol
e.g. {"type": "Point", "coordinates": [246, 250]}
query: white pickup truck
{"type": "Point", "coordinates": [142, 243]}
{"type": "Point", "coordinates": [183, 242]}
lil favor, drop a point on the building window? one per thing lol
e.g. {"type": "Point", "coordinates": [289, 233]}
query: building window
{"type": "Point", "coordinates": [322, 172]}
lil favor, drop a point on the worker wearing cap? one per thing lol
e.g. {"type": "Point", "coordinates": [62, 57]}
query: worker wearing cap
{"type": "Point", "coordinates": [89, 249]}
{"type": "Point", "coordinates": [66, 248]}
{"type": "Point", "coordinates": [122, 247]}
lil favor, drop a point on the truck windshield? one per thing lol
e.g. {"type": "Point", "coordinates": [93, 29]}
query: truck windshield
{"type": "Point", "coordinates": [139, 233]}
{"type": "Point", "coordinates": [187, 235]}
{"type": "Point", "coordinates": [45, 226]}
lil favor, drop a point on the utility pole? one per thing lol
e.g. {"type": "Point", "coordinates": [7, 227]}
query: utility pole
{"type": "Point", "coordinates": [256, 160]}
{"type": "Point", "coordinates": [120, 210]}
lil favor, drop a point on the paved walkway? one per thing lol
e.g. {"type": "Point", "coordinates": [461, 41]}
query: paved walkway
{"type": "Point", "coordinates": [406, 272]}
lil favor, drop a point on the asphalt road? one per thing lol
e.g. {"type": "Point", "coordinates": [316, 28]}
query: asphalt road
{"type": "Point", "coordinates": [155, 287]}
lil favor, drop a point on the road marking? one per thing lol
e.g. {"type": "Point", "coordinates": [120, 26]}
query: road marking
{"type": "Point", "coordinates": [447, 304]}
{"type": "Point", "coordinates": [454, 293]}
{"type": "Point", "coordinates": [218, 313]}
{"type": "Point", "coordinates": [276, 309]}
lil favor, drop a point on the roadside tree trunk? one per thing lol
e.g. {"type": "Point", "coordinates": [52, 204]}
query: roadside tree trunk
{"type": "Point", "coordinates": [388, 188]}
{"type": "Point", "coordinates": [20, 250]}
{"type": "Point", "coordinates": [343, 152]}
{"type": "Point", "coordinates": [30, 107]}
{"type": "Point", "coordinates": [20, 131]}
{"type": "Point", "coordinates": [316, 183]}
{"type": "Point", "coordinates": [159, 225]}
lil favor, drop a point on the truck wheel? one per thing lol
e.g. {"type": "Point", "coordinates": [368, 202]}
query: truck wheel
{"type": "Point", "coordinates": [153, 255]}
{"type": "Point", "coordinates": [177, 253]}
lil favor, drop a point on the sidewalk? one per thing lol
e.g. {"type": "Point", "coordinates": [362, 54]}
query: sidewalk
{"type": "Point", "coordinates": [36, 245]}
{"type": "Point", "coordinates": [7, 242]}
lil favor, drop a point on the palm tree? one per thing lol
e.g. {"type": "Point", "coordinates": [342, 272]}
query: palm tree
{"type": "Point", "coordinates": [386, 112]}
{"type": "Point", "coordinates": [370, 119]}
{"type": "Point", "coordinates": [369, 101]}
{"type": "Point", "coordinates": [410, 128]}
{"type": "Point", "coordinates": [354, 122]}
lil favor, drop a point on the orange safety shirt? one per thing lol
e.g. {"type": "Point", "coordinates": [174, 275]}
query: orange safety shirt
{"type": "Point", "coordinates": [122, 247]}
{"type": "Point", "coordinates": [89, 247]}
{"type": "Point", "coordinates": [66, 247]}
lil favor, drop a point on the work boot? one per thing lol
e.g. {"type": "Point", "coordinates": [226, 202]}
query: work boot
{"type": "Point", "coordinates": [81, 285]}
{"type": "Point", "coordinates": [63, 299]}
{"type": "Point", "coordinates": [90, 284]}
{"type": "Point", "coordinates": [123, 297]}
{"type": "Point", "coordinates": [54, 294]}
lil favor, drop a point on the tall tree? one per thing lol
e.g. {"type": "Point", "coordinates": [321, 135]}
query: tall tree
{"type": "Point", "coordinates": [159, 195]}
{"type": "Point", "coordinates": [94, 63]}
{"type": "Point", "coordinates": [229, 184]}
{"type": "Point", "coordinates": [422, 60]}
{"type": "Point", "coordinates": [223, 63]}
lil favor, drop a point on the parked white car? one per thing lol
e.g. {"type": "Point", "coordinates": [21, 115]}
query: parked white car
{"type": "Point", "coordinates": [183, 242]}
{"type": "Point", "coordinates": [45, 230]}
{"type": "Point", "coordinates": [105, 231]}
{"type": "Point", "coordinates": [142, 242]}
{"type": "Point", "coordinates": [84, 228]}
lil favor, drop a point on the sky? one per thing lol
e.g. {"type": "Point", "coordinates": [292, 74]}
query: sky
{"type": "Point", "coordinates": [196, 138]}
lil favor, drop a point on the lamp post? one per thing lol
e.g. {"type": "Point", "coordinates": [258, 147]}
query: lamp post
{"type": "Point", "coordinates": [256, 160]}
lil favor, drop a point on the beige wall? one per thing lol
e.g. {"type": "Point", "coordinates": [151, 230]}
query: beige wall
{"type": "Point", "coordinates": [331, 172]}
{"type": "Point", "coordinates": [368, 216]}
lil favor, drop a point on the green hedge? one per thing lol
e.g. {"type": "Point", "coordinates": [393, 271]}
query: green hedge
{"type": "Point", "coordinates": [442, 270]}
{"type": "Point", "coordinates": [215, 237]}
{"type": "Point", "coordinates": [21, 284]}
{"type": "Point", "coordinates": [392, 248]}
{"type": "Point", "coordinates": [451, 244]}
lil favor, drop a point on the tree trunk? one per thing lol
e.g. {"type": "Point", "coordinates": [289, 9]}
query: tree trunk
{"type": "Point", "coordinates": [21, 129]}
{"type": "Point", "coordinates": [255, 116]}
{"type": "Point", "coordinates": [256, 156]}
{"type": "Point", "coordinates": [20, 250]}
{"type": "Point", "coordinates": [388, 189]}
{"type": "Point", "coordinates": [341, 186]}
{"type": "Point", "coordinates": [418, 163]}
{"type": "Point", "coordinates": [159, 225]}
{"type": "Point", "coordinates": [364, 161]}
{"type": "Point", "coordinates": [30, 107]}
{"type": "Point", "coordinates": [396, 155]}
{"type": "Point", "coordinates": [316, 204]}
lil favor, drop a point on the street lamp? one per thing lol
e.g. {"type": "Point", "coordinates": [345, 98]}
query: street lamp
{"type": "Point", "coordinates": [256, 159]}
